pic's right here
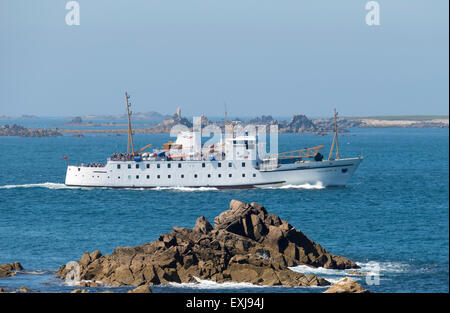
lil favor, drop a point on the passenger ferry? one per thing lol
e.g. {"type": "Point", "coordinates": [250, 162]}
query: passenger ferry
{"type": "Point", "coordinates": [233, 162]}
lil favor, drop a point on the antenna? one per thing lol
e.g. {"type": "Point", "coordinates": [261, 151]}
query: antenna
{"type": "Point", "coordinates": [130, 131]}
{"type": "Point", "coordinates": [226, 114]}
{"type": "Point", "coordinates": [335, 140]}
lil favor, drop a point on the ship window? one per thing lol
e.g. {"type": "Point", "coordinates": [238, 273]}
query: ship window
{"type": "Point", "coordinates": [148, 165]}
{"type": "Point", "coordinates": [243, 164]}
{"type": "Point", "coordinates": [137, 165]}
{"type": "Point", "coordinates": [230, 164]}
{"type": "Point", "coordinates": [219, 164]}
{"type": "Point", "coordinates": [220, 175]}
{"type": "Point", "coordinates": [229, 175]}
{"type": "Point", "coordinates": [179, 165]}
{"type": "Point", "coordinates": [344, 170]}
{"type": "Point", "coordinates": [137, 176]}
{"type": "Point", "coordinates": [182, 175]}
{"type": "Point", "coordinates": [158, 165]}
{"type": "Point", "coordinates": [209, 175]}
{"type": "Point", "coordinates": [148, 176]}
{"type": "Point", "coordinates": [203, 164]}
{"type": "Point", "coordinates": [129, 165]}
{"type": "Point", "coordinates": [254, 175]}
{"type": "Point", "coordinates": [129, 176]}
{"type": "Point", "coordinates": [158, 176]}
{"type": "Point", "coordinates": [118, 166]}
{"type": "Point", "coordinates": [168, 165]}
{"type": "Point", "coordinates": [118, 177]}
{"type": "Point", "coordinates": [78, 169]}
{"type": "Point", "coordinates": [243, 175]}
{"type": "Point", "coordinates": [195, 175]}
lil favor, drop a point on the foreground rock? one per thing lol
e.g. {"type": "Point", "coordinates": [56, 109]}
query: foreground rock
{"type": "Point", "coordinates": [24, 289]}
{"type": "Point", "coordinates": [346, 285]}
{"type": "Point", "coordinates": [246, 244]}
{"type": "Point", "coordinates": [8, 270]}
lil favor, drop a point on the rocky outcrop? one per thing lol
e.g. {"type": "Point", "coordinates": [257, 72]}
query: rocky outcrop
{"type": "Point", "coordinates": [16, 130]}
{"type": "Point", "coordinates": [8, 270]}
{"type": "Point", "coordinates": [246, 244]}
{"type": "Point", "coordinates": [24, 289]}
{"type": "Point", "coordinates": [346, 285]}
{"type": "Point", "coordinates": [298, 124]}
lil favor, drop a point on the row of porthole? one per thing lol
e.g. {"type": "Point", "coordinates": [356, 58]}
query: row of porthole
{"type": "Point", "coordinates": [182, 176]}
{"type": "Point", "coordinates": [158, 165]}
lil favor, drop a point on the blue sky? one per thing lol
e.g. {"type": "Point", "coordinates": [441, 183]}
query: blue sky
{"type": "Point", "coordinates": [258, 56]}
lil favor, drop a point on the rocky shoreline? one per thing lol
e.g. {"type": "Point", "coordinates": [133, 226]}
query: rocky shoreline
{"type": "Point", "coordinates": [299, 124]}
{"type": "Point", "coordinates": [246, 244]}
{"type": "Point", "coordinates": [20, 131]}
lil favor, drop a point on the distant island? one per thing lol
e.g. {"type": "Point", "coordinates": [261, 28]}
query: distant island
{"type": "Point", "coordinates": [20, 131]}
{"type": "Point", "coordinates": [156, 123]}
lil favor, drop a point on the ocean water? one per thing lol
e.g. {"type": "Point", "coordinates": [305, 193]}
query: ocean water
{"type": "Point", "coordinates": [392, 219]}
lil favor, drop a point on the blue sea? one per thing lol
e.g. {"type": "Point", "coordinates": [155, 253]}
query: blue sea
{"type": "Point", "coordinates": [392, 219]}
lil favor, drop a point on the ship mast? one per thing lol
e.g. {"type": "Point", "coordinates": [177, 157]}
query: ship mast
{"type": "Point", "coordinates": [335, 140]}
{"type": "Point", "coordinates": [130, 131]}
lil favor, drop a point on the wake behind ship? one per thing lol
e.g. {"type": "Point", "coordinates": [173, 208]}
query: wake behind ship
{"type": "Point", "coordinates": [234, 162]}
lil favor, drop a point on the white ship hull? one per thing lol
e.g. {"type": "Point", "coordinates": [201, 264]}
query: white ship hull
{"type": "Point", "coordinates": [229, 174]}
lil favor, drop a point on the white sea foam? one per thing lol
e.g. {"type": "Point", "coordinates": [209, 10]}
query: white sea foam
{"type": "Point", "coordinates": [370, 268]}
{"type": "Point", "coordinates": [208, 284]}
{"type": "Point", "coordinates": [186, 189]}
{"type": "Point", "coordinates": [317, 185]}
{"type": "Point", "coordinates": [47, 185]}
